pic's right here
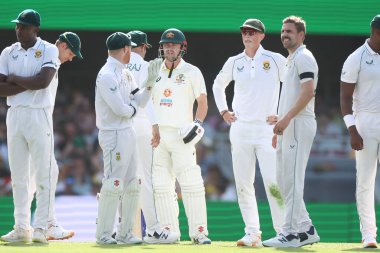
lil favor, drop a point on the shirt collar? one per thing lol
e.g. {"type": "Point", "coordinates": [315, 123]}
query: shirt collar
{"type": "Point", "coordinates": [112, 60]}
{"type": "Point", "coordinates": [34, 47]}
{"type": "Point", "coordinates": [297, 51]}
{"type": "Point", "coordinates": [179, 66]}
{"type": "Point", "coordinates": [258, 53]}
{"type": "Point", "coordinates": [369, 48]}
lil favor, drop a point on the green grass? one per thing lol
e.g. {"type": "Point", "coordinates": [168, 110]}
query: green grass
{"type": "Point", "coordinates": [183, 247]}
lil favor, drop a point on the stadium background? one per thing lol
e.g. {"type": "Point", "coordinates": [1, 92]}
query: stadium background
{"type": "Point", "coordinates": [335, 28]}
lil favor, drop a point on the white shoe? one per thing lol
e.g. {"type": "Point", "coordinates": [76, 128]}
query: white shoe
{"type": "Point", "coordinates": [39, 236]}
{"type": "Point", "coordinates": [282, 241]}
{"type": "Point", "coordinates": [309, 237]}
{"type": "Point", "coordinates": [106, 240]}
{"type": "Point", "coordinates": [165, 237]}
{"type": "Point", "coordinates": [369, 242]}
{"type": "Point", "coordinates": [129, 239]}
{"type": "Point", "coordinates": [18, 235]}
{"type": "Point", "coordinates": [56, 232]}
{"type": "Point", "coordinates": [251, 240]}
{"type": "Point", "coordinates": [201, 239]}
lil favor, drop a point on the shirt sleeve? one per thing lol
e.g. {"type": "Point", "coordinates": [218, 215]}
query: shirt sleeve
{"type": "Point", "coordinates": [350, 70]}
{"type": "Point", "coordinates": [51, 59]}
{"type": "Point", "coordinates": [198, 83]}
{"type": "Point", "coordinates": [143, 75]}
{"type": "Point", "coordinates": [221, 82]}
{"type": "Point", "coordinates": [281, 61]}
{"type": "Point", "coordinates": [108, 89]}
{"type": "Point", "coordinates": [307, 67]}
{"type": "Point", "coordinates": [4, 62]}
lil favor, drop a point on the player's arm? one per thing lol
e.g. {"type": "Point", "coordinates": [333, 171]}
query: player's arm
{"type": "Point", "coordinates": [202, 107]}
{"type": "Point", "coordinates": [346, 94]}
{"type": "Point", "coordinates": [9, 89]}
{"type": "Point", "coordinates": [37, 82]}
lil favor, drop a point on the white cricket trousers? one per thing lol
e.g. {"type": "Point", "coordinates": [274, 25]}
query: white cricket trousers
{"type": "Point", "coordinates": [250, 141]}
{"type": "Point", "coordinates": [144, 160]}
{"type": "Point", "coordinates": [30, 139]}
{"type": "Point", "coordinates": [293, 150]}
{"type": "Point", "coordinates": [368, 126]}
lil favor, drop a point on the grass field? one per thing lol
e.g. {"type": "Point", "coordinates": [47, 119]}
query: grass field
{"type": "Point", "coordinates": [183, 247]}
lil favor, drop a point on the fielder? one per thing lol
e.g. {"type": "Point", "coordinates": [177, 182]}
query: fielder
{"type": "Point", "coordinates": [116, 103]}
{"type": "Point", "coordinates": [359, 101]}
{"type": "Point", "coordinates": [294, 134]}
{"type": "Point", "coordinates": [174, 93]}
{"type": "Point", "coordinates": [257, 73]}
{"type": "Point", "coordinates": [28, 70]}
{"type": "Point", "coordinates": [148, 136]}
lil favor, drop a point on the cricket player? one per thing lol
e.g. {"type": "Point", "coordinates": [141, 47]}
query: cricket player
{"type": "Point", "coordinates": [359, 101]}
{"type": "Point", "coordinates": [294, 134]}
{"type": "Point", "coordinates": [257, 73]}
{"type": "Point", "coordinates": [174, 94]}
{"type": "Point", "coordinates": [28, 70]}
{"type": "Point", "coordinates": [116, 103]}
{"type": "Point", "coordinates": [148, 136]}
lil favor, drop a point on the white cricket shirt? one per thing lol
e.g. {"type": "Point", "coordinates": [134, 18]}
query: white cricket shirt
{"type": "Point", "coordinates": [112, 96]}
{"type": "Point", "coordinates": [257, 84]}
{"type": "Point", "coordinates": [16, 60]}
{"type": "Point", "coordinates": [300, 67]}
{"type": "Point", "coordinates": [362, 67]}
{"type": "Point", "coordinates": [173, 98]}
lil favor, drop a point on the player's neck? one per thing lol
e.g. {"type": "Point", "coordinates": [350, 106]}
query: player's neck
{"type": "Point", "coordinates": [251, 52]}
{"type": "Point", "coordinates": [169, 64]}
{"type": "Point", "coordinates": [374, 44]}
{"type": "Point", "coordinates": [28, 44]}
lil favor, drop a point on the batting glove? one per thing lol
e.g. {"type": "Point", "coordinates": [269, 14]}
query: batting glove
{"type": "Point", "coordinates": [192, 133]}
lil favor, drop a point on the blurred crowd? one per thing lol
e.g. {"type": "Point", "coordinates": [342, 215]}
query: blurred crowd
{"type": "Point", "coordinates": [80, 161]}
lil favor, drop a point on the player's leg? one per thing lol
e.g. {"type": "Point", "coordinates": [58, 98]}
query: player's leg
{"type": "Point", "coordinates": [266, 155]}
{"type": "Point", "coordinates": [18, 154]}
{"type": "Point", "coordinates": [115, 166]}
{"type": "Point", "coordinates": [163, 180]}
{"type": "Point", "coordinates": [192, 188]}
{"type": "Point", "coordinates": [244, 167]}
{"type": "Point", "coordinates": [366, 168]}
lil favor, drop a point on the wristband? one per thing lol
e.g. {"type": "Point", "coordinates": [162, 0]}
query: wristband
{"type": "Point", "coordinates": [223, 112]}
{"type": "Point", "coordinates": [198, 121]}
{"type": "Point", "coordinates": [349, 120]}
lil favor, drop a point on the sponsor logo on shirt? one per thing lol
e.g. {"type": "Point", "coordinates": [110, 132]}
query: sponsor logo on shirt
{"type": "Point", "coordinates": [167, 101]}
{"type": "Point", "coordinates": [266, 65]}
{"type": "Point", "coordinates": [37, 54]}
{"type": "Point", "coordinates": [14, 57]}
{"type": "Point", "coordinates": [240, 69]}
{"type": "Point", "coordinates": [134, 67]}
{"type": "Point", "coordinates": [369, 62]}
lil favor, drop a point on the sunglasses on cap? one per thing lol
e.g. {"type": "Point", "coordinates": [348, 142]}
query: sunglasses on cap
{"type": "Point", "coordinates": [249, 32]}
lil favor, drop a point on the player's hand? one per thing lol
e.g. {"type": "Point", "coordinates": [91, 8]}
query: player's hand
{"type": "Point", "coordinates": [274, 141]}
{"type": "Point", "coordinates": [356, 139]}
{"type": "Point", "coordinates": [281, 125]}
{"type": "Point", "coordinates": [272, 119]}
{"type": "Point", "coordinates": [155, 136]}
{"type": "Point", "coordinates": [229, 117]}
{"type": "Point", "coordinates": [153, 72]}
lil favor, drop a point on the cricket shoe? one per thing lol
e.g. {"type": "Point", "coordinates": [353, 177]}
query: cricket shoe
{"type": "Point", "coordinates": [250, 240]}
{"type": "Point", "coordinates": [309, 237]}
{"type": "Point", "coordinates": [39, 236]}
{"type": "Point", "coordinates": [106, 240]}
{"type": "Point", "coordinates": [165, 237]}
{"type": "Point", "coordinates": [128, 239]}
{"type": "Point", "coordinates": [201, 239]}
{"type": "Point", "coordinates": [369, 242]}
{"type": "Point", "coordinates": [18, 235]}
{"type": "Point", "coordinates": [282, 241]}
{"type": "Point", "coordinates": [56, 232]}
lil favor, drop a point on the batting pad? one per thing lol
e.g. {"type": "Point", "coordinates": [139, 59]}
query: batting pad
{"type": "Point", "coordinates": [167, 208]}
{"type": "Point", "coordinates": [194, 200]}
{"type": "Point", "coordinates": [110, 195]}
{"type": "Point", "coordinates": [129, 206]}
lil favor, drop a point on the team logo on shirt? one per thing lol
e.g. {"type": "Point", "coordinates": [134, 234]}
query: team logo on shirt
{"type": "Point", "coordinates": [240, 69]}
{"type": "Point", "coordinates": [118, 156]}
{"type": "Point", "coordinates": [266, 65]}
{"type": "Point", "coordinates": [167, 101]}
{"type": "Point", "coordinates": [180, 79]}
{"type": "Point", "coordinates": [37, 54]}
{"type": "Point", "coordinates": [128, 76]}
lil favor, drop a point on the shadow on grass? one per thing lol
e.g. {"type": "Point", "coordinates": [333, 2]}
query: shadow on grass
{"type": "Point", "coordinates": [361, 250]}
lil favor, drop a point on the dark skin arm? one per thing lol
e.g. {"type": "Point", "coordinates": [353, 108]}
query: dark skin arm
{"type": "Point", "coordinates": [346, 92]}
{"type": "Point", "coordinates": [9, 89]}
{"type": "Point", "coordinates": [37, 82]}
